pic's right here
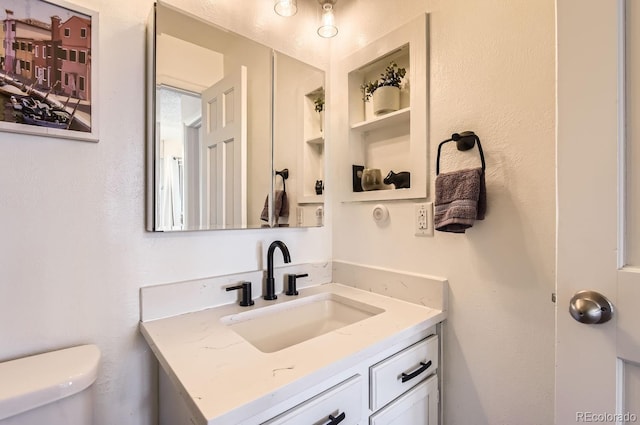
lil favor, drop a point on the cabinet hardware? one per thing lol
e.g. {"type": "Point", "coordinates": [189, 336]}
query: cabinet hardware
{"type": "Point", "coordinates": [423, 367]}
{"type": "Point", "coordinates": [335, 420]}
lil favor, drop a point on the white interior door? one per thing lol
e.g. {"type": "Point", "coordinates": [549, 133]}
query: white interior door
{"type": "Point", "coordinates": [224, 151]}
{"type": "Point", "coordinates": [598, 365]}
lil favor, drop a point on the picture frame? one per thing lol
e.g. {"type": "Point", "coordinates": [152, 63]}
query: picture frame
{"type": "Point", "coordinates": [49, 69]}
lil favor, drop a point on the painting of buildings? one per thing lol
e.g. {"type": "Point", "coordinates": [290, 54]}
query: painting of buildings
{"type": "Point", "coordinates": [45, 65]}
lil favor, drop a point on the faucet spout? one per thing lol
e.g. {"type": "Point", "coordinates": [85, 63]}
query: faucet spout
{"type": "Point", "coordinates": [270, 292]}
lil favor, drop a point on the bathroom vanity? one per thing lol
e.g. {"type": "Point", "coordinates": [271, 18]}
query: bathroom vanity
{"type": "Point", "coordinates": [334, 354]}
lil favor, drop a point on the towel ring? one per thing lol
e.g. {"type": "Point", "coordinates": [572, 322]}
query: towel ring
{"type": "Point", "coordinates": [464, 141]}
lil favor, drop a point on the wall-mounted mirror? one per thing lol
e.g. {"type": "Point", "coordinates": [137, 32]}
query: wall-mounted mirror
{"type": "Point", "coordinates": [225, 114]}
{"type": "Point", "coordinates": [298, 144]}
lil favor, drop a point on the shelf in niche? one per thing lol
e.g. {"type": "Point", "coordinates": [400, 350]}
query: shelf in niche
{"type": "Point", "coordinates": [311, 199]}
{"type": "Point", "coordinates": [316, 140]}
{"type": "Point", "coordinates": [383, 195]}
{"type": "Point", "coordinates": [398, 117]}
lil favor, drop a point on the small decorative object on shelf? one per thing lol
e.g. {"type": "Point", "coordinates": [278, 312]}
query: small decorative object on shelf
{"type": "Point", "coordinates": [386, 90]}
{"type": "Point", "coordinates": [357, 177]}
{"type": "Point", "coordinates": [319, 187]}
{"type": "Point", "coordinates": [401, 180]}
{"type": "Point", "coordinates": [371, 179]}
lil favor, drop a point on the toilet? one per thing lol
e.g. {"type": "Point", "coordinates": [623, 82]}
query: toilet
{"type": "Point", "coordinates": [53, 388]}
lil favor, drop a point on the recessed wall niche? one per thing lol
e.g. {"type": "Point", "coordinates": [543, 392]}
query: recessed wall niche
{"type": "Point", "coordinates": [394, 140]}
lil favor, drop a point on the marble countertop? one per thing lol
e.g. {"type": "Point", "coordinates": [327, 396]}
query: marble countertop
{"type": "Point", "coordinates": [219, 372]}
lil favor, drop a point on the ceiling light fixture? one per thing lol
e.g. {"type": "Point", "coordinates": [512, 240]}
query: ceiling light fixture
{"type": "Point", "coordinates": [286, 7]}
{"type": "Point", "coordinates": [327, 28]}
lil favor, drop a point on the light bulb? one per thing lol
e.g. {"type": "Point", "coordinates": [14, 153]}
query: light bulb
{"type": "Point", "coordinates": [286, 7]}
{"type": "Point", "coordinates": [327, 28]}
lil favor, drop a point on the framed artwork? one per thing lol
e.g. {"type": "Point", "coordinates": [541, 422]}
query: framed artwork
{"type": "Point", "coordinates": [48, 69]}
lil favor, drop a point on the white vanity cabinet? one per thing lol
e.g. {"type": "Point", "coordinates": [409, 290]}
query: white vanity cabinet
{"type": "Point", "coordinates": [381, 369]}
{"type": "Point", "coordinates": [398, 387]}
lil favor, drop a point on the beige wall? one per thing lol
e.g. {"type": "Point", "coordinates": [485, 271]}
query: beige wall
{"type": "Point", "coordinates": [492, 71]}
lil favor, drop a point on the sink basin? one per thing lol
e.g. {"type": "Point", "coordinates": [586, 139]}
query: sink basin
{"type": "Point", "coordinates": [282, 325]}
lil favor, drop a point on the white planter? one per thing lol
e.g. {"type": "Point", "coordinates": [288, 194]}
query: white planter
{"type": "Point", "coordinates": [386, 99]}
{"type": "Point", "coordinates": [368, 111]}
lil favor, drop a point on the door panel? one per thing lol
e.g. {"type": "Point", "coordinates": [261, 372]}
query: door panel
{"type": "Point", "coordinates": [628, 297]}
{"type": "Point", "coordinates": [632, 52]}
{"type": "Point", "coordinates": [225, 141]}
{"type": "Point", "coordinates": [229, 117]}
{"type": "Point", "coordinates": [213, 178]}
{"type": "Point", "coordinates": [212, 112]}
{"type": "Point", "coordinates": [230, 171]}
{"type": "Point", "coordinates": [595, 364]}
{"type": "Point", "coordinates": [631, 377]}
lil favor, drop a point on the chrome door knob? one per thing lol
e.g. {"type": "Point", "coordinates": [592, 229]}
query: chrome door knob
{"type": "Point", "coordinates": [590, 307]}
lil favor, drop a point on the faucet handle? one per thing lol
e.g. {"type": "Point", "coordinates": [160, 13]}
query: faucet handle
{"type": "Point", "coordinates": [246, 300]}
{"type": "Point", "coordinates": [291, 283]}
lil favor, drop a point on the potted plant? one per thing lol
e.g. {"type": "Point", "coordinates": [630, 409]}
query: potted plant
{"type": "Point", "coordinates": [386, 90]}
{"type": "Point", "coordinates": [319, 107]}
{"type": "Point", "coordinates": [319, 103]}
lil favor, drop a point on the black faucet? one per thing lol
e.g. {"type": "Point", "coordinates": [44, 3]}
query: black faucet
{"type": "Point", "coordinates": [270, 290]}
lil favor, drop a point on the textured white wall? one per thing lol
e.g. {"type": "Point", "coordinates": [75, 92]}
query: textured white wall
{"type": "Point", "coordinates": [492, 71]}
{"type": "Point", "coordinates": [75, 252]}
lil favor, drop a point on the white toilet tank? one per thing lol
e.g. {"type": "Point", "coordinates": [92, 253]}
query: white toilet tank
{"type": "Point", "coordinates": [52, 388]}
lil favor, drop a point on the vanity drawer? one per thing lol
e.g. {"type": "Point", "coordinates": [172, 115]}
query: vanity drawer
{"type": "Point", "coordinates": [417, 406]}
{"type": "Point", "coordinates": [343, 402]}
{"type": "Point", "coordinates": [410, 365]}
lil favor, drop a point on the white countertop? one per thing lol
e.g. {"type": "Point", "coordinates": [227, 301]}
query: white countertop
{"type": "Point", "coordinates": [220, 372]}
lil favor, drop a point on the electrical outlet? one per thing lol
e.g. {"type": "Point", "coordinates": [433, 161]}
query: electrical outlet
{"type": "Point", "coordinates": [299, 216]}
{"type": "Point", "coordinates": [424, 219]}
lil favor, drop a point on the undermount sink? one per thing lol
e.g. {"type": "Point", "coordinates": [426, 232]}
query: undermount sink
{"type": "Point", "coordinates": [282, 325]}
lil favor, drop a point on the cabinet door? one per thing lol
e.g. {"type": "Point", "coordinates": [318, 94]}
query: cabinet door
{"type": "Point", "coordinates": [419, 406]}
{"type": "Point", "coordinates": [341, 404]}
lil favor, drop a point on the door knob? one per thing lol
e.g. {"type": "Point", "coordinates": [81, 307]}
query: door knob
{"type": "Point", "coordinates": [590, 307]}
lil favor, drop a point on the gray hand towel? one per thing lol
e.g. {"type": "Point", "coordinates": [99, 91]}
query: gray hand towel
{"type": "Point", "coordinates": [280, 206]}
{"type": "Point", "coordinates": [264, 216]}
{"type": "Point", "coordinates": [461, 199]}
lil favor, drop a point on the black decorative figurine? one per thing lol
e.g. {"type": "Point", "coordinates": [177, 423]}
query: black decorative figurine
{"type": "Point", "coordinates": [401, 180]}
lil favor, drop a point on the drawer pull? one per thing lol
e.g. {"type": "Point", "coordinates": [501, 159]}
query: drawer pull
{"type": "Point", "coordinates": [337, 419]}
{"type": "Point", "coordinates": [422, 368]}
